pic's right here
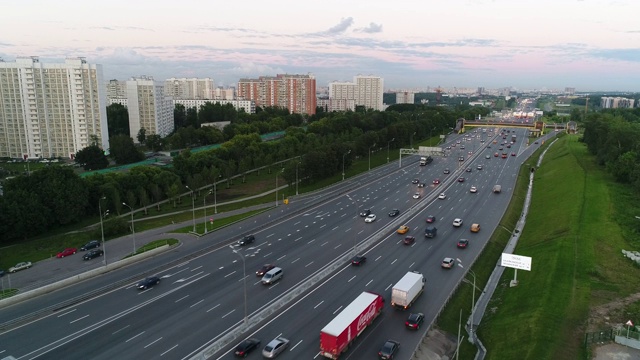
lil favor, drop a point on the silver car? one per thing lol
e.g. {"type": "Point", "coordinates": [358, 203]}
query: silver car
{"type": "Point", "coordinates": [275, 347]}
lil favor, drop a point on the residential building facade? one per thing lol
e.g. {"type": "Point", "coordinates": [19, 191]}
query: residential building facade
{"type": "Point", "coordinates": [51, 110]}
{"type": "Point", "coordinates": [366, 91]}
{"type": "Point", "coordinates": [189, 88]}
{"type": "Point", "coordinates": [616, 102]}
{"type": "Point", "coordinates": [405, 97]}
{"type": "Point", "coordinates": [149, 107]}
{"type": "Point", "coordinates": [297, 93]}
{"type": "Point", "coordinates": [248, 106]}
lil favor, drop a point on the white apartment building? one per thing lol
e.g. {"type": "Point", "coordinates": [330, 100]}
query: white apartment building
{"type": "Point", "coordinates": [616, 102]}
{"type": "Point", "coordinates": [248, 106]}
{"type": "Point", "coordinates": [405, 97]}
{"type": "Point", "coordinates": [192, 88]}
{"type": "Point", "coordinates": [148, 107]}
{"type": "Point", "coordinates": [51, 110]}
{"type": "Point", "coordinates": [363, 91]}
{"type": "Point", "coordinates": [221, 93]}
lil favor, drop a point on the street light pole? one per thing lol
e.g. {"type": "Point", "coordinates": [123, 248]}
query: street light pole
{"type": "Point", "coordinates": [355, 239]}
{"type": "Point", "coordinates": [193, 206]}
{"type": "Point", "coordinates": [411, 140]}
{"type": "Point", "coordinates": [277, 173]}
{"type": "Point", "coordinates": [389, 142]}
{"type": "Point", "coordinates": [374, 144]}
{"type": "Point", "coordinates": [343, 155]}
{"type": "Point", "coordinates": [244, 281]}
{"type": "Point", "coordinates": [133, 228]}
{"type": "Point", "coordinates": [204, 203]}
{"type": "Point", "coordinates": [215, 197]}
{"type": "Point", "coordinates": [297, 163]}
{"type": "Point", "coordinates": [473, 301]}
{"type": "Point", "coordinates": [104, 248]}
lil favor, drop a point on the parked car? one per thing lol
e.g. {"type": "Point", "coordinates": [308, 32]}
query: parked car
{"type": "Point", "coordinates": [66, 252]}
{"type": "Point", "coordinates": [389, 349]}
{"type": "Point", "coordinates": [20, 266]}
{"type": "Point", "coordinates": [403, 229]}
{"type": "Point", "coordinates": [448, 262]}
{"type": "Point", "coordinates": [275, 347]}
{"type": "Point", "coordinates": [358, 260]}
{"type": "Point", "coordinates": [90, 245]}
{"type": "Point", "coordinates": [93, 253]}
{"type": "Point", "coordinates": [394, 212]}
{"type": "Point", "coordinates": [370, 218]}
{"type": "Point", "coordinates": [462, 243]}
{"type": "Point", "coordinates": [148, 283]}
{"type": "Point", "coordinates": [244, 348]}
{"type": "Point", "coordinates": [264, 269]}
{"type": "Point", "coordinates": [409, 240]}
{"type": "Point", "coordinates": [414, 321]}
{"type": "Point", "coordinates": [248, 239]}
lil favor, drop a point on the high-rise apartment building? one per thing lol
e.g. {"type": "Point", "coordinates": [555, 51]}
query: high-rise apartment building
{"type": "Point", "coordinates": [51, 110]}
{"type": "Point", "coordinates": [364, 91]}
{"type": "Point", "coordinates": [297, 93]}
{"type": "Point", "coordinates": [616, 102]}
{"type": "Point", "coordinates": [149, 107]}
{"type": "Point", "coordinates": [405, 97]}
{"type": "Point", "coordinates": [192, 88]}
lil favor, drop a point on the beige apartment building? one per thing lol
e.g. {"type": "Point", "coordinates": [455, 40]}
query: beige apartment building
{"type": "Point", "coordinates": [294, 92]}
{"type": "Point", "coordinates": [148, 107]}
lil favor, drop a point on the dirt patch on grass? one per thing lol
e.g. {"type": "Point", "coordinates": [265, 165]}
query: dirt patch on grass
{"type": "Point", "coordinates": [610, 314]}
{"type": "Point", "coordinates": [437, 345]}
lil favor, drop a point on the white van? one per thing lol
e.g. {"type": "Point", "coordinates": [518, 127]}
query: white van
{"type": "Point", "coordinates": [497, 188]}
{"type": "Point", "coordinates": [272, 276]}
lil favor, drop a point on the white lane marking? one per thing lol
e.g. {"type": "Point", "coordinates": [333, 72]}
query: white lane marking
{"type": "Point", "coordinates": [294, 346]}
{"type": "Point", "coordinates": [153, 342]}
{"type": "Point", "coordinates": [323, 226]}
{"type": "Point", "coordinates": [296, 223]}
{"type": "Point", "coordinates": [227, 314]}
{"type": "Point", "coordinates": [231, 273]}
{"type": "Point", "coordinates": [335, 228]}
{"type": "Point", "coordinates": [370, 281]}
{"type": "Point", "coordinates": [117, 331]}
{"type": "Point", "coordinates": [281, 257]}
{"type": "Point", "coordinates": [182, 298]}
{"type": "Point", "coordinates": [311, 241]}
{"type": "Point", "coordinates": [338, 309]}
{"type": "Point", "coordinates": [78, 319]}
{"type": "Point", "coordinates": [197, 303]}
{"type": "Point", "coordinates": [351, 278]}
{"type": "Point", "coordinates": [174, 346]}
{"type": "Point", "coordinates": [325, 243]}
{"type": "Point", "coordinates": [337, 246]}
{"type": "Point", "coordinates": [67, 313]}
{"type": "Point", "coordinates": [298, 239]}
{"type": "Point", "coordinates": [349, 229]}
{"type": "Point", "coordinates": [320, 303]}
{"type": "Point", "coordinates": [295, 260]}
{"type": "Point", "coordinates": [135, 336]}
{"type": "Point", "coordinates": [268, 254]}
{"type": "Point", "coordinates": [194, 269]}
{"type": "Point", "coordinates": [213, 307]}
{"type": "Point", "coordinates": [387, 288]}
{"type": "Point", "coordinates": [378, 258]}
{"type": "Point", "coordinates": [308, 264]}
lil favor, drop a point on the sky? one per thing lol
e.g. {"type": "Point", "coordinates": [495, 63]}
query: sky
{"type": "Point", "coordinates": [589, 45]}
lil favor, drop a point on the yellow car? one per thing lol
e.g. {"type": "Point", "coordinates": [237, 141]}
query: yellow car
{"type": "Point", "coordinates": [475, 227]}
{"type": "Point", "coordinates": [403, 229]}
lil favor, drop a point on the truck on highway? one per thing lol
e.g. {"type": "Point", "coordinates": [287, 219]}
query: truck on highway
{"type": "Point", "coordinates": [424, 160]}
{"type": "Point", "coordinates": [407, 290]}
{"type": "Point", "coordinates": [513, 138]}
{"type": "Point", "coordinates": [336, 337]}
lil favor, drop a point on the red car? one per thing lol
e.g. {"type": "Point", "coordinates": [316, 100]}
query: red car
{"type": "Point", "coordinates": [504, 155]}
{"type": "Point", "coordinates": [431, 219]}
{"type": "Point", "coordinates": [436, 181]}
{"type": "Point", "coordinates": [409, 240]}
{"type": "Point", "coordinates": [513, 154]}
{"type": "Point", "coordinates": [460, 179]}
{"type": "Point", "coordinates": [462, 243]}
{"type": "Point", "coordinates": [67, 252]}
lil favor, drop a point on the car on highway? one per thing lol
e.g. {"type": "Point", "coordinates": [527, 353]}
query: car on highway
{"type": "Point", "coordinates": [436, 181]}
{"type": "Point", "coordinates": [358, 260]}
{"type": "Point", "coordinates": [504, 155]}
{"type": "Point", "coordinates": [431, 219]}
{"type": "Point", "coordinates": [415, 181]}
{"type": "Point", "coordinates": [275, 347]}
{"type": "Point", "coordinates": [421, 185]}
{"type": "Point", "coordinates": [389, 350]}
{"type": "Point", "coordinates": [394, 212]}
{"type": "Point", "coordinates": [416, 196]}
{"type": "Point", "coordinates": [264, 269]}
{"type": "Point", "coordinates": [408, 240]}
{"type": "Point", "coordinates": [500, 148]}
{"type": "Point", "coordinates": [402, 229]}
{"type": "Point", "coordinates": [66, 252]}
{"type": "Point", "coordinates": [473, 189]}
{"type": "Point", "coordinates": [19, 266]}
{"type": "Point", "coordinates": [370, 218]}
{"type": "Point", "coordinates": [246, 240]}
{"type": "Point", "coordinates": [496, 155]}
{"type": "Point", "coordinates": [461, 179]}
{"type": "Point", "coordinates": [467, 169]}
{"type": "Point", "coordinates": [93, 253]}
{"type": "Point", "coordinates": [460, 158]}
{"type": "Point", "coordinates": [487, 156]}
{"type": "Point", "coordinates": [414, 321]}
{"type": "Point", "coordinates": [148, 283]}
{"type": "Point", "coordinates": [479, 167]}
{"type": "Point", "coordinates": [244, 348]}
{"type": "Point", "coordinates": [537, 142]}
{"type": "Point", "coordinates": [365, 213]}
{"type": "Point", "coordinates": [475, 227]}
{"type": "Point", "coordinates": [446, 171]}
{"type": "Point", "coordinates": [513, 154]}
{"type": "Point", "coordinates": [457, 222]}
{"type": "Point", "coordinates": [508, 146]}
{"type": "Point", "coordinates": [462, 243]}
{"type": "Point", "coordinates": [90, 245]}
{"type": "Point", "coordinates": [442, 196]}
{"type": "Point", "coordinates": [448, 263]}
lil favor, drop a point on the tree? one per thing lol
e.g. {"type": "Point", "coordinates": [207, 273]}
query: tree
{"type": "Point", "coordinates": [156, 192]}
{"type": "Point", "coordinates": [92, 158]}
{"type": "Point", "coordinates": [117, 120]}
{"type": "Point", "coordinates": [143, 196]}
{"type": "Point", "coordinates": [154, 142]}
{"type": "Point", "coordinates": [179, 116]}
{"type": "Point", "coordinates": [142, 135]}
{"type": "Point", "coordinates": [124, 151]}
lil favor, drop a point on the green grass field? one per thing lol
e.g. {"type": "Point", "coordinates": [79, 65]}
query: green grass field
{"type": "Point", "coordinates": [573, 237]}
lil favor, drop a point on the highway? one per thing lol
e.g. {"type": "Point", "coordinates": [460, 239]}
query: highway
{"type": "Point", "coordinates": [202, 297]}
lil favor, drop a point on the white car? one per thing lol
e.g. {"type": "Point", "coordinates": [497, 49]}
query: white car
{"type": "Point", "coordinates": [416, 196]}
{"type": "Point", "coordinates": [457, 222]}
{"type": "Point", "coordinates": [442, 196]}
{"type": "Point", "coordinates": [20, 266]}
{"type": "Point", "coordinates": [370, 218]}
{"type": "Point", "coordinates": [473, 189]}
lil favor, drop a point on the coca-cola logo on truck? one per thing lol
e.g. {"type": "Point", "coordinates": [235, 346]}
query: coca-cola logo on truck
{"type": "Point", "coordinates": [366, 316]}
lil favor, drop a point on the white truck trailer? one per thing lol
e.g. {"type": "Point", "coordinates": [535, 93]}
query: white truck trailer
{"type": "Point", "coordinates": [407, 290]}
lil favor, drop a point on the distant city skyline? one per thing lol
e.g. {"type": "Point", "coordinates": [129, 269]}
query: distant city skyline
{"type": "Point", "coordinates": [589, 45]}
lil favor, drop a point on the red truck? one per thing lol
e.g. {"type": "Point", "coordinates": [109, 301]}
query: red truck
{"type": "Point", "coordinates": [336, 337]}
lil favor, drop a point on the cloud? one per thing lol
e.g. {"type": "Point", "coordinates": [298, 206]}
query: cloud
{"type": "Point", "coordinates": [372, 28]}
{"type": "Point", "coordinates": [341, 27]}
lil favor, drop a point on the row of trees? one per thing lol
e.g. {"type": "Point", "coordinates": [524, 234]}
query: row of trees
{"type": "Point", "coordinates": [613, 136]}
{"type": "Point", "coordinates": [57, 197]}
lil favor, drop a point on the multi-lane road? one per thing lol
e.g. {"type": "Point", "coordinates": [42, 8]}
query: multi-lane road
{"type": "Point", "coordinates": [202, 297]}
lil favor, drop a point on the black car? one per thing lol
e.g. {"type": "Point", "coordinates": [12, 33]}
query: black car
{"type": "Point", "coordinates": [421, 185]}
{"type": "Point", "coordinates": [446, 171]}
{"type": "Point", "coordinates": [415, 181]}
{"type": "Point", "coordinates": [461, 158]}
{"type": "Point", "coordinates": [394, 212]}
{"type": "Point", "coordinates": [148, 283]}
{"type": "Point", "coordinates": [365, 212]}
{"type": "Point", "coordinates": [93, 253]}
{"type": "Point", "coordinates": [90, 245]}
{"type": "Point", "coordinates": [389, 349]}
{"type": "Point", "coordinates": [358, 260]}
{"type": "Point", "coordinates": [265, 269]}
{"type": "Point", "coordinates": [414, 321]}
{"type": "Point", "coordinates": [248, 239]}
{"type": "Point", "coordinates": [244, 348]}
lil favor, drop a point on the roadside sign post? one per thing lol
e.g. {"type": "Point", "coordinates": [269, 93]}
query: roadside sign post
{"type": "Point", "coordinates": [516, 262]}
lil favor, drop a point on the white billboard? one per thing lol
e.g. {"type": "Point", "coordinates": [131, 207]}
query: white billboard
{"type": "Point", "coordinates": [516, 261]}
